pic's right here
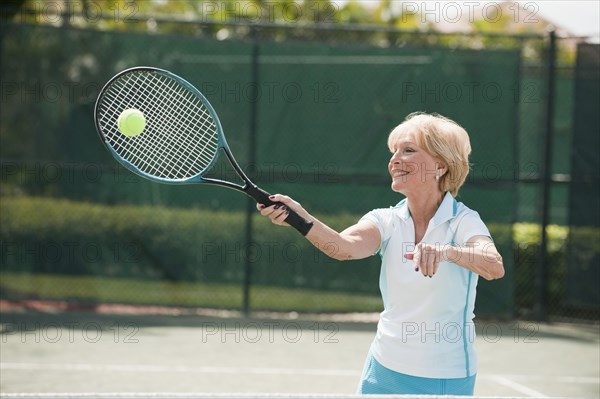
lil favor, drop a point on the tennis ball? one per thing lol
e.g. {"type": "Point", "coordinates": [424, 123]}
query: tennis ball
{"type": "Point", "coordinates": [131, 122]}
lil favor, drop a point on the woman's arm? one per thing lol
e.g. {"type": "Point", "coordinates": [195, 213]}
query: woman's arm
{"type": "Point", "coordinates": [356, 242]}
{"type": "Point", "coordinates": [478, 255]}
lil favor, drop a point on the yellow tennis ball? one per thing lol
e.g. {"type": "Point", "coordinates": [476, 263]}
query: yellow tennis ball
{"type": "Point", "coordinates": [131, 122]}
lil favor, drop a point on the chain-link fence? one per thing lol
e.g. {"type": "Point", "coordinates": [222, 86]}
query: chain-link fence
{"type": "Point", "coordinates": [77, 227]}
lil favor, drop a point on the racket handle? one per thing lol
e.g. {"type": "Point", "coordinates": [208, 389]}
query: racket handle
{"type": "Point", "coordinates": [296, 221]}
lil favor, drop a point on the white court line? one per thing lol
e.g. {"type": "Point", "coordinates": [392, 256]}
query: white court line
{"type": "Point", "coordinates": [517, 387]}
{"type": "Point", "coordinates": [503, 379]}
{"type": "Point", "coordinates": [579, 380]}
{"type": "Point", "coordinates": [177, 369]}
{"type": "Point", "coordinates": [560, 378]}
{"type": "Point", "coordinates": [179, 395]}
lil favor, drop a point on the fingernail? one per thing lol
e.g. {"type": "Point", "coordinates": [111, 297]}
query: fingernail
{"type": "Point", "coordinates": [277, 206]}
{"type": "Point", "coordinates": [271, 196]}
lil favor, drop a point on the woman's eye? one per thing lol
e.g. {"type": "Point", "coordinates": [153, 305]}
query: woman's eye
{"type": "Point", "coordinates": [408, 149]}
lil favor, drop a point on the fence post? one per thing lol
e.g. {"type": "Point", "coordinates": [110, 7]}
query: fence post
{"type": "Point", "coordinates": [250, 208]}
{"type": "Point", "coordinates": [546, 172]}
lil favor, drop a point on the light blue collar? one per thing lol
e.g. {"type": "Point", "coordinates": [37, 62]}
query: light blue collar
{"type": "Point", "coordinates": [446, 211]}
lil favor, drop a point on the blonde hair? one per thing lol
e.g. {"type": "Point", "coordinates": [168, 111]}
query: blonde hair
{"type": "Point", "coordinates": [444, 140]}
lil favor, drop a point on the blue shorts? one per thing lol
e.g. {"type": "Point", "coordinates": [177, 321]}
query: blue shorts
{"type": "Point", "coordinates": [376, 379]}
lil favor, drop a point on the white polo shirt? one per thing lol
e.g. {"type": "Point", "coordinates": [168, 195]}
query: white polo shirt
{"type": "Point", "coordinates": [426, 328]}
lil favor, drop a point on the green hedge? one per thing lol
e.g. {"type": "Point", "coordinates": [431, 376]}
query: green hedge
{"type": "Point", "coordinates": [64, 237]}
{"type": "Point", "coordinates": [581, 241]}
{"type": "Point", "coordinates": [61, 237]}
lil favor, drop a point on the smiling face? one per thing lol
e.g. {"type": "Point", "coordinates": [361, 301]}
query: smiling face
{"type": "Point", "coordinates": [425, 146]}
{"type": "Point", "coordinates": [411, 167]}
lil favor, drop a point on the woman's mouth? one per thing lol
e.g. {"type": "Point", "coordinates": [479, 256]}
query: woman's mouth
{"type": "Point", "coordinates": [399, 173]}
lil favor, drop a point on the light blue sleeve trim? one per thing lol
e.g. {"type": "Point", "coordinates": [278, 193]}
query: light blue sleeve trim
{"type": "Point", "coordinates": [382, 248]}
{"type": "Point", "coordinates": [373, 218]}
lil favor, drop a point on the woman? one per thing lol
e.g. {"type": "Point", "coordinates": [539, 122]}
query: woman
{"type": "Point", "coordinates": [433, 249]}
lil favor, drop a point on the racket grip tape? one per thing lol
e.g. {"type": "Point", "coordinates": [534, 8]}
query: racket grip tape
{"type": "Point", "coordinates": [296, 221]}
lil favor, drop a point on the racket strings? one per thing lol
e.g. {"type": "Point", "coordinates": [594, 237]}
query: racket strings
{"type": "Point", "coordinates": [191, 114]}
{"type": "Point", "coordinates": [180, 139]}
{"type": "Point", "coordinates": [168, 146]}
{"type": "Point", "coordinates": [167, 98]}
{"type": "Point", "coordinates": [135, 151]}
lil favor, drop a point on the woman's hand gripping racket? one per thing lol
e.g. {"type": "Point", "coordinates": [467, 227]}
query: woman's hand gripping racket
{"type": "Point", "coordinates": [161, 127]}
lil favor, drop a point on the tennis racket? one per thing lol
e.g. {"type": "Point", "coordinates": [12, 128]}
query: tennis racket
{"type": "Point", "coordinates": [182, 137]}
